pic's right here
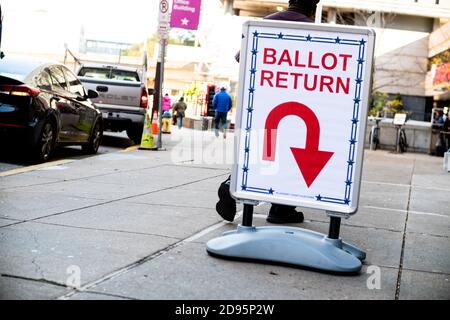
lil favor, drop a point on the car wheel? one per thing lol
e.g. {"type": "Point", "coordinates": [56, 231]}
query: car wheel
{"type": "Point", "coordinates": [135, 134]}
{"type": "Point", "coordinates": [94, 140]}
{"type": "Point", "coordinates": [46, 142]}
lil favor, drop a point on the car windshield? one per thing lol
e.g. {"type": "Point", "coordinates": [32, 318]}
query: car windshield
{"type": "Point", "coordinates": [110, 73]}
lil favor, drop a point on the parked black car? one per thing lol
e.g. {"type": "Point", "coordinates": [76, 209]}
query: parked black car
{"type": "Point", "coordinates": [43, 105]}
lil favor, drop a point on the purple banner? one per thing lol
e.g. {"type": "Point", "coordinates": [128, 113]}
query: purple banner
{"type": "Point", "coordinates": [185, 14]}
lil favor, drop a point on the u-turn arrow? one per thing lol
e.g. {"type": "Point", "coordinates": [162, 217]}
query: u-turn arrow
{"type": "Point", "coordinates": [310, 160]}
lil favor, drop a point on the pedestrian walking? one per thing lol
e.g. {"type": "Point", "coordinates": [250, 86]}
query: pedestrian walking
{"type": "Point", "coordinates": [222, 103]}
{"type": "Point", "coordinates": [166, 103]}
{"type": "Point", "coordinates": [179, 110]}
{"type": "Point", "coordinates": [300, 11]}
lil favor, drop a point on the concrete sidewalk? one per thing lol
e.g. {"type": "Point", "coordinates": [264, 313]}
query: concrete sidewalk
{"type": "Point", "coordinates": [134, 225]}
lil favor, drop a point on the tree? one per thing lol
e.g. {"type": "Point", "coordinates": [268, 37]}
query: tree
{"type": "Point", "coordinates": [182, 37]}
{"type": "Point", "coordinates": [396, 105]}
{"type": "Point", "coordinates": [137, 49]}
{"type": "Point", "coordinates": [443, 57]}
{"type": "Point", "coordinates": [377, 103]}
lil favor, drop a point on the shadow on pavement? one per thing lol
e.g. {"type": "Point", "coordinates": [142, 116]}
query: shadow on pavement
{"type": "Point", "coordinates": [14, 154]}
{"type": "Point", "coordinates": [116, 142]}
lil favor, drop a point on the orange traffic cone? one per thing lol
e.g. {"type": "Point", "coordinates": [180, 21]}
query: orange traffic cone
{"type": "Point", "coordinates": [155, 117]}
{"type": "Point", "coordinates": [155, 127]}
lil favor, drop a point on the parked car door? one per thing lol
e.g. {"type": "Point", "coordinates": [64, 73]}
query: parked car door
{"type": "Point", "coordinates": [42, 81]}
{"type": "Point", "coordinates": [78, 98]}
{"type": "Point", "coordinates": [69, 117]}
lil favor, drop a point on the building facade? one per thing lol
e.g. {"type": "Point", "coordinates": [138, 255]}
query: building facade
{"type": "Point", "coordinates": [405, 30]}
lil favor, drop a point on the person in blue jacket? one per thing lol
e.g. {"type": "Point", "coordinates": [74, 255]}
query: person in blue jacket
{"type": "Point", "coordinates": [222, 104]}
{"type": "Point", "coordinates": [301, 11]}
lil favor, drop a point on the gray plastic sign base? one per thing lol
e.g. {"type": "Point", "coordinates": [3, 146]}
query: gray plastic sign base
{"type": "Point", "coordinates": [288, 245]}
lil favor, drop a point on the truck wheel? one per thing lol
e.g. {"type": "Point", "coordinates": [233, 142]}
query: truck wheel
{"type": "Point", "coordinates": [94, 140]}
{"type": "Point", "coordinates": [135, 134]}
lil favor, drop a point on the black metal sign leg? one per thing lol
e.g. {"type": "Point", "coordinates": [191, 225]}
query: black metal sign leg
{"type": "Point", "coordinates": [335, 226]}
{"type": "Point", "coordinates": [247, 216]}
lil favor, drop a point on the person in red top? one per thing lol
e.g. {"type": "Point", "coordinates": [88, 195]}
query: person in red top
{"type": "Point", "coordinates": [300, 11]}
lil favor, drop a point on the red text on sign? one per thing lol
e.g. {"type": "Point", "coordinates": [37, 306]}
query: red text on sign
{"type": "Point", "coordinates": [306, 62]}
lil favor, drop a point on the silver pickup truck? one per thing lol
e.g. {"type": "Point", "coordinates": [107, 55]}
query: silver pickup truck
{"type": "Point", "coordinates": [123, 96]}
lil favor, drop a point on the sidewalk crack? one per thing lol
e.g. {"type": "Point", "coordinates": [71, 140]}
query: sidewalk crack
{"type": "Point", "coordinates": [402, 254]}
{"type": "Point", "coordinates": [40, 280]}
{"type": "Point", "coordinates": [141, 261]}
{"type": "Point", "coordinates": [37, 267]}
{"type": "Point", "coordinates": [109, 295]}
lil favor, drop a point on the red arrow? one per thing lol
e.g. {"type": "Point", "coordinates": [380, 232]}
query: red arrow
{"type": "Point", "coordinates": [310, 160]}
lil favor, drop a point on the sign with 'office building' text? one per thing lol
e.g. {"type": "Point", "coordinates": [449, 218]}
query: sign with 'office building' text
{"type": "Point", "coordinates": [185, 14]}
{"type": "Point", "coordinates": [303, 100]}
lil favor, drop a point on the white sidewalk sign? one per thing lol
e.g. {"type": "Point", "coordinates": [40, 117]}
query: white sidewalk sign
{"type": "Point", "coordinates": [303, 99]}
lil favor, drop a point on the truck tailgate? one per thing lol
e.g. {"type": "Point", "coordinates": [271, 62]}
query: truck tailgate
{"type": "Point", "coordinates": [115, 92]}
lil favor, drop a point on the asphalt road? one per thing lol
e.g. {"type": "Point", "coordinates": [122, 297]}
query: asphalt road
{"type": "Point", "coordinates": [14, 158]}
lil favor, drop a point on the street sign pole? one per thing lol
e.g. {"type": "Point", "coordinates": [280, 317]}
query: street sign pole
{"type": "Point", "coordinates": [161, 88]}
{"type": "Point", "coordinates": [163, 33]}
